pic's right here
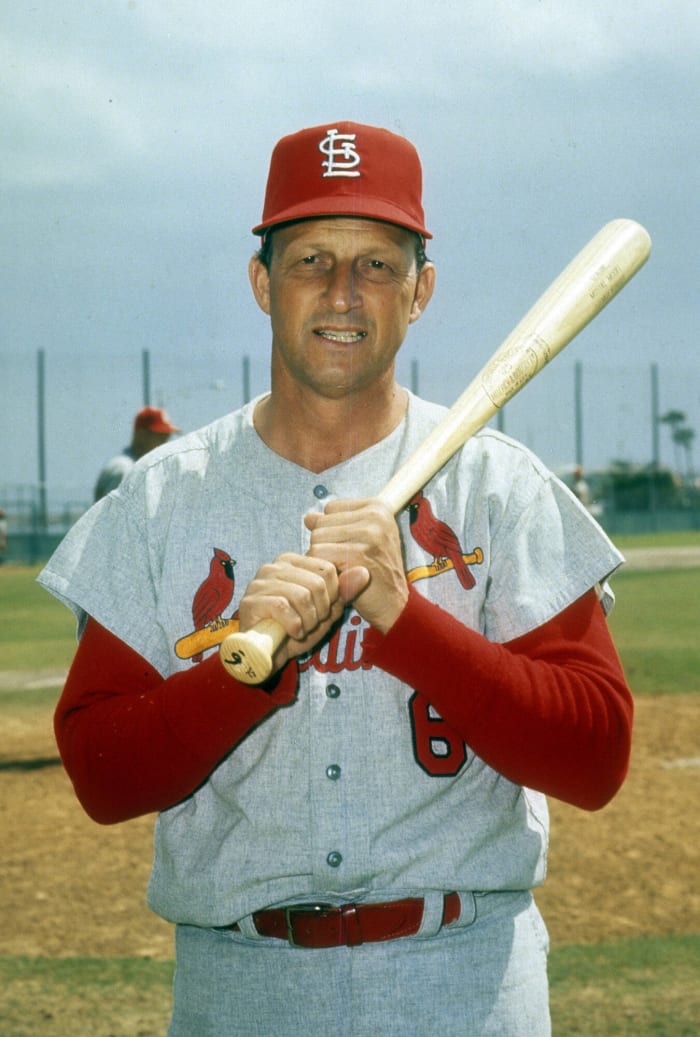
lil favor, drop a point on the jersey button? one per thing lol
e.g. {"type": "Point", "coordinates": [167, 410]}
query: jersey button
{"type": "Point", "coordinates": [334, 859]}
{"type": "Point", "coordinates": [333, 691]}
{"type": "Point", "coordinates": [333, 772]}
{"type": "Point", "coordinates": [320, 492]}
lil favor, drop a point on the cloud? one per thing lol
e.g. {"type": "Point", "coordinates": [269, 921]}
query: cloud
{"type": "Point", "coordinates": [568, 36]}
{"type": "Point", "coordinates": [105, 87]}
{"type": "Point", "coordinates": [66, 119]}
{"type": "Point", "coordinates": [540, 36]}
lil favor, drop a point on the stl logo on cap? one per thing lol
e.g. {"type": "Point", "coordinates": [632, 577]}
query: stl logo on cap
{"type": "Point", "coordinates": [342, 154]}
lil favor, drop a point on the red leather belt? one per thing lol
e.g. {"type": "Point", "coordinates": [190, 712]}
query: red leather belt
{"type": "Point", "coordinates": [323, 925]}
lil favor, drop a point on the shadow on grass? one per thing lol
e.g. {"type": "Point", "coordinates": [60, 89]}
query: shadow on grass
{"type": "Point", "coordinates": [37, 763]}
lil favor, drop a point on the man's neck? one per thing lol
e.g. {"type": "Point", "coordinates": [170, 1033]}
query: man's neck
{"type": "Point", "coordinates": [317, 433]}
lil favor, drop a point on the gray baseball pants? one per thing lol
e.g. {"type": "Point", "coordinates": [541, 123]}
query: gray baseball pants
{"type": "Point", "coordinates": [486, 976]}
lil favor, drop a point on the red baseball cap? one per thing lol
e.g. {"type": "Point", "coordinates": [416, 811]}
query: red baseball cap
{"type": "Point", "coordinates": [155, 419]}
{"type": "Point", "coordinates": [344, 169]}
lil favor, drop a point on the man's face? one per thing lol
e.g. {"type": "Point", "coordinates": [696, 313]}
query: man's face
{"type": "Point", "coordinates": [340, 293]}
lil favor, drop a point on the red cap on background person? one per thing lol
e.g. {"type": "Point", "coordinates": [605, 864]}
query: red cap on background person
{"type": "Point", "coordinates": [154, 419]}
{"type": "Point", "coordinates": [344, 169]}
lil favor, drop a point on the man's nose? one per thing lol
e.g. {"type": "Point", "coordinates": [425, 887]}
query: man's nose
{"type": "Point", "coordinates": [343, 287]}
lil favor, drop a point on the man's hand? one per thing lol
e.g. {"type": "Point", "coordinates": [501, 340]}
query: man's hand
{"type": "Point", "coordinates": [355, 556]}
{"type": "Point", "coordinates": [302, 594]}
{"type": "Point", "coordinates": [361, 540]}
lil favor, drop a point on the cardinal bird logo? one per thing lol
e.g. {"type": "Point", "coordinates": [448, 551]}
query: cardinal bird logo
{"type": "Point", "coordinates": [214, 594]}
{"type": "Point", "coordinates": [436, 537]}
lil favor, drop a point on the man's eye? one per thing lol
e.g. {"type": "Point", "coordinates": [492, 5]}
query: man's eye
{"type": "Point", "coordinates": [376, 270]}
{"type": "Point", "coordinates": [313, 263]}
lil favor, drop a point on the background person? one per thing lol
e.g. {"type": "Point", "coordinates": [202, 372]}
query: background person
{"type": "Point", "coordinates": [152, 428]}
{"type": "Point", "coordinates": [581, 488]}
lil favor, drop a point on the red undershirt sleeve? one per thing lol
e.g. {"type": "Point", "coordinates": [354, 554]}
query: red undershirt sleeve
{"type": "Point", "coordinates": [133, 742]}
{"type": "Point", "coordinates": [551, 710]}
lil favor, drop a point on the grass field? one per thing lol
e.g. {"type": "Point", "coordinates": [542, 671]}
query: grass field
{"type": "Point", "coordinates": [684, 538]}
{"type": "Point", "coordinates": [27, 609]}
{"type": "Point", "coordinates": [651, 983]}
{"type": "Point", "coordinates": [647, 987]}
{"type": "Point", "coordinates": [655, 627]}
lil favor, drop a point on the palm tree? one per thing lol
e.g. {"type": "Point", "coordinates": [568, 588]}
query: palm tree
{"type": "Point", "coordinates": [684, 437]}
{"type": "Point", "coordinates": [674, 419]}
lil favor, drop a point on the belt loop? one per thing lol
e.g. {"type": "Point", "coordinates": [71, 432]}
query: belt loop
{"type": "Point", "coordinates": [350, 925]}
{"type": "Point", "coordinates": [433, 907]}
{"type": "Point", "coordinates": [246, 927]}
{"type": "Point", "coordinates": [469, 909]}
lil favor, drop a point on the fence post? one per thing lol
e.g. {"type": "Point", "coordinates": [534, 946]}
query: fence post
{"type": "Point", "coordinates": [146, 377]}
{"type": "Point", "coordinates": [42, 517]}
{"type": "Point", "coordinates": [655, 414]}
{"type": "Point", "coordinates": [655, 459]}
{"type": "Point", "coordinates": [578, 412]}
{"type": "Point", "coordinates": [246, 379]}
{"type": "Point", "coordinates": [414, 376]}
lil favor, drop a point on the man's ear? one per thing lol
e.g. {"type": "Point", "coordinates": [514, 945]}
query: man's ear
{"type": "Point", "coordinates": [260, 283]}
{"type": "Point", "coordinates": [423, 293]}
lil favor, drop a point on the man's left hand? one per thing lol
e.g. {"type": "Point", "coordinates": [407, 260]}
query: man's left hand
{"type": "Point", "coordinates": [361, 538]}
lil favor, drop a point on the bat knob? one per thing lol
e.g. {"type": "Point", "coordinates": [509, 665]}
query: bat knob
{"type": "Point", "coordinates": [248, 656]}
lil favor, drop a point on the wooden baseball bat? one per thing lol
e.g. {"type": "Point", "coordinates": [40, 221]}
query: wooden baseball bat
{"type": "Point", "coordinates": [578, 294]}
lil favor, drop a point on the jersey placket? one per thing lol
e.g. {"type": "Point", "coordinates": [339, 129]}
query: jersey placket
{"type": "Point", "coordinates": [338, 844]}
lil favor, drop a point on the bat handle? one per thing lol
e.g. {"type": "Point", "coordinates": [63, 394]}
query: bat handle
{"type": "Point", "coordinates": [248, 655]}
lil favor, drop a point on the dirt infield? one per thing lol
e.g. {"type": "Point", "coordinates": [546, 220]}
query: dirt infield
{"type": "Point", "coordinates": [71, 887]}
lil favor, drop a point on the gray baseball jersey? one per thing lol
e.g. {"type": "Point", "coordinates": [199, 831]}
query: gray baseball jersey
{"type": "Point", "coordinates": [355, 790]}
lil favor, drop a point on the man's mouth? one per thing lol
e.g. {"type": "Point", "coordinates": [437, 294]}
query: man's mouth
{"type": "Point", "coordinates": [346, 337]}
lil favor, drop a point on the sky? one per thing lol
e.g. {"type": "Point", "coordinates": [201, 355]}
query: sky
{"type": "Point", "coordinates": [136, 141]}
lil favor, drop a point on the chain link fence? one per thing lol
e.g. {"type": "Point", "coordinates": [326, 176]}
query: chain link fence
{"type": "Point", "coordinates": [63, 415]}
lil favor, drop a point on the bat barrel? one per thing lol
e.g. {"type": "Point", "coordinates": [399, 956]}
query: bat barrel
{"type": "Point", "coordinates": [599, 271]}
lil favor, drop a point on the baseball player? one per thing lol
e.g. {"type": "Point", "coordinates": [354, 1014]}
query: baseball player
{"type": "Point", "coordinates": [351, 847]}
{"type": "Point", "coordinates": [152, 428]}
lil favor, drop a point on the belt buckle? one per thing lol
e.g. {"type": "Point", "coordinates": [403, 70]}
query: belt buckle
{"type": "Point", "coordinates": [290, 913]}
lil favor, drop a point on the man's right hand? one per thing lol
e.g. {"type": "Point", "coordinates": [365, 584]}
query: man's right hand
{"type": "Point", "coordinates": [301, 594]}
